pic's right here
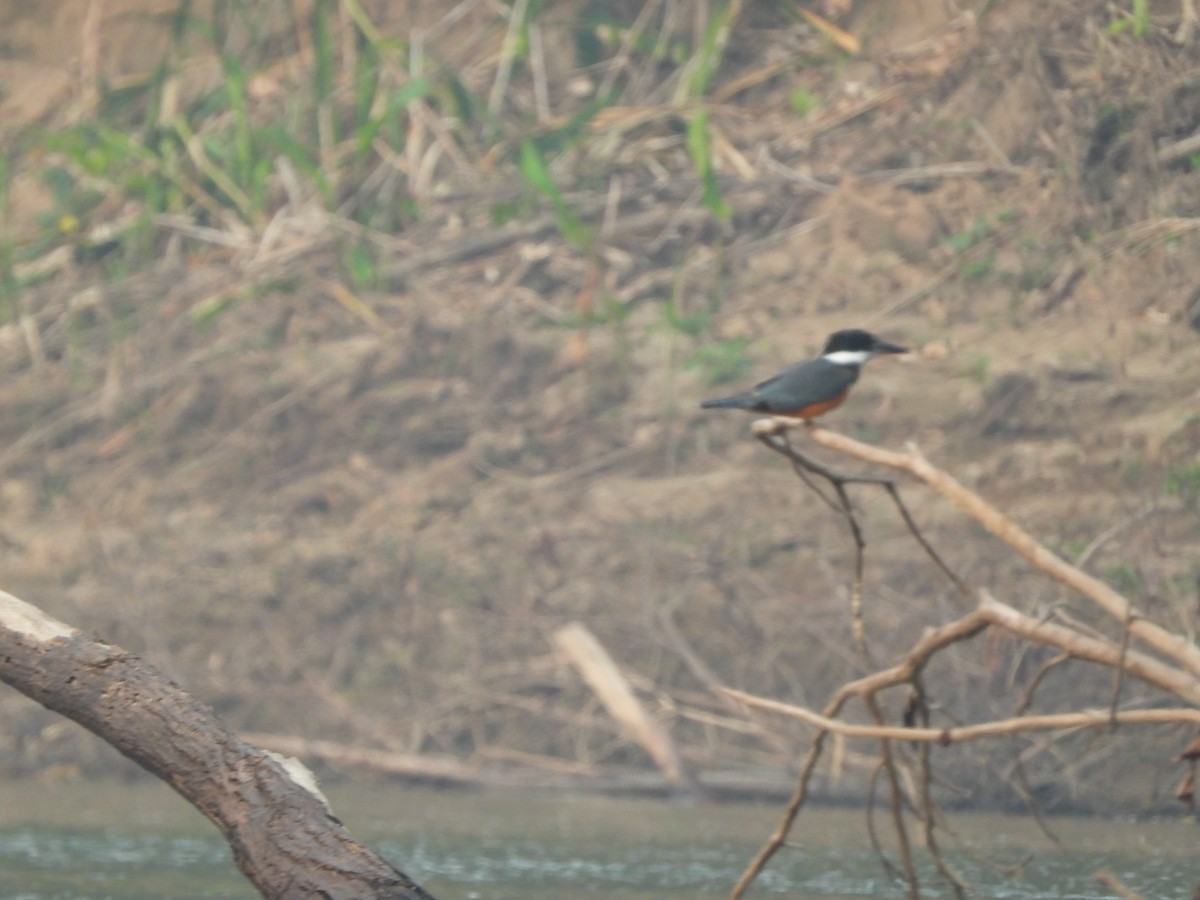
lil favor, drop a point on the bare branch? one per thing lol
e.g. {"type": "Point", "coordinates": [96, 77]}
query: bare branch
{"type": "Point", "coordinates": [769, 432]}
{"type": "Point", "coordinates": [1098, 650]}
{"type": "Point", "coordinates": [1171, 645]}
{"type": "Point", "coordinates": [283, 835]}
{"type": "Point", "coordinates": [1092, 718]}
{"type": "Point", "coordinates": [1175, 672]}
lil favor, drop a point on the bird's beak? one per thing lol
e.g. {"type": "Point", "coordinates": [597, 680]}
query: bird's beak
{"type": "Point", "coordinates": [885, 347]}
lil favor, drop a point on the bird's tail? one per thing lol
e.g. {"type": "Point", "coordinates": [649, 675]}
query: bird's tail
{"type": "Point", "coordinates": [737, 401]}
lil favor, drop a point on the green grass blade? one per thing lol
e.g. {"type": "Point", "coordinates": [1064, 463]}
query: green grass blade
{"type": "Point", "coordinates": [300, 155]}
{"type": "Point", "coordinates": [699, 145]}
{"type": "Point", "coordinates": [243, 134]}
{"type": "Point", "coordinates": [535, 172]}
{"type": "Point", "coordinates": [414, 89]}
{"type": "Point", "coordinates": [323, 52]}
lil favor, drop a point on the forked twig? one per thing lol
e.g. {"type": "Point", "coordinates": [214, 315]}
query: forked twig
{"type": "Point", "coordinates": [914, 661]}
{"type": "Point", "coordinates": [989, 613]}
{"type": "Point", "coordinates": [806, 467]}
{"type": "Point", "coordinates": [773, 434]}
{"type": "Point", "coordinates": [1175, 672]}
{"type": "Point", "coordinates": [1171, 645]}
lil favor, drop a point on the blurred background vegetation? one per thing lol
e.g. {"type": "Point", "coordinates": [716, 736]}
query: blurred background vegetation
{"type": "Point", "coordinates": [351, 348]}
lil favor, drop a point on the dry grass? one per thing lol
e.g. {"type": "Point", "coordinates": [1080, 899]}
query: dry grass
{"type": "Point", "coordinates": [345, 367]}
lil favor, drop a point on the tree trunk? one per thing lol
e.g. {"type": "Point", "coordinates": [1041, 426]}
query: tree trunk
{"type": "Point", "coordinates": [284, 837]}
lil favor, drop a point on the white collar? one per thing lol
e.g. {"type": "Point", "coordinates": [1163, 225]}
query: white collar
{"type": "Point", "coordinates": [848, 357]}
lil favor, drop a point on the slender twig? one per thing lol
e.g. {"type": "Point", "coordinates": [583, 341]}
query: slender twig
{"type": "Point", "coordinates": [989, 611]}
{"type": "Point", "coordinates": [1036, 681]}
{"type": "Point", "coordinates": [1029, 796]}
{"type": "Point", "coordinates": [805, 467]}
{"type": "Point", "coordinates": [888, 763]}
{"type": "Point", "coordinates": [928, 808]}
{"type": "Point", "coordinates": [1161, 675]}
{"type": "Point", "coordinates": [1172, 645]}
{"type": "Point", "coordinates": [914, 660]}
{"type": "Point", "coordinates": [919, 536]}
{"type": "Point", "coordinates": [1112, 531]}
{"type": "Point", "coordinates": [1071, 642]}
{"type": "Point", "coordinates": [799, 796]}
{"type": "Point", "coordinates": [1119, 671]}
{"type": "Point", "coordinates": [706, 675]}
{"type": "Point", "coordinates": [872, 833]}
{"type": "Point", "coordinates": [1091, 718]}
{"type": "Point", "coordinates": [772, 435]}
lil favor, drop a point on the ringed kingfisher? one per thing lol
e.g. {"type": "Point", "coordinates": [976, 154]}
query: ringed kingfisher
{"type": "Point", "coordinates": [815, 386]}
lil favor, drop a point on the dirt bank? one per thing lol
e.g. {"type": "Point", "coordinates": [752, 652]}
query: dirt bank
{"type": "Point", "coordinates": [374, 500]}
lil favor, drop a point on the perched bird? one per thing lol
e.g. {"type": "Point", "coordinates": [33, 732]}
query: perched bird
{"type": "Point", "coordinates": [815, 386]}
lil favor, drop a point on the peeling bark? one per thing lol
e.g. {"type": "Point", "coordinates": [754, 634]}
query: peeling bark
{"type": "Point", "coordinates": [283, 836]}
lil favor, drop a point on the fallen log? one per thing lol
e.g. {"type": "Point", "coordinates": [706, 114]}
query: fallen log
{"type": "Point", "coordinates": [602, 675]}
{"type": "Point", "coordinates": [284, 836]}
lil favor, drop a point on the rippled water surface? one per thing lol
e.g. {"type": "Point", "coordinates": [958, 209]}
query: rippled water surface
{"type": "Point", "coordinates": [126, 841]}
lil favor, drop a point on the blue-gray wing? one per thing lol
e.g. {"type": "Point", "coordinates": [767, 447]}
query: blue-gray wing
{"type": "Point", "coordinates": [806, 383]}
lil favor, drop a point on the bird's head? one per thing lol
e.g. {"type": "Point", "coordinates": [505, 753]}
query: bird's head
{"type": "Point", "coordinates": [853, 347]}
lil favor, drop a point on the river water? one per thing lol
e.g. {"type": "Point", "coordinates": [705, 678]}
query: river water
{"type": "Point", "coordinates": [72, 840]}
